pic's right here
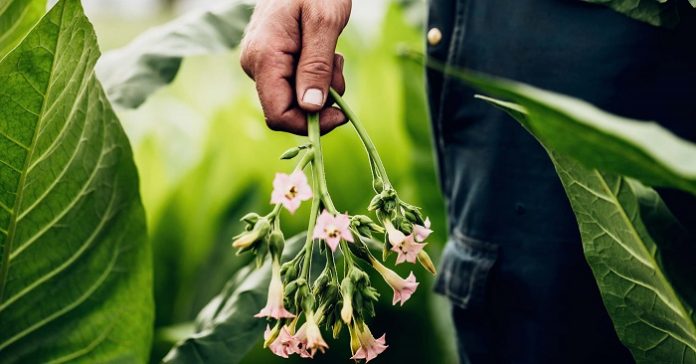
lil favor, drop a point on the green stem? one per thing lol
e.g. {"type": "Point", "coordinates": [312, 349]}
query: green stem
{"type": "Point", "coordinates": [314, 136]}
{"type": "Point", "coordinates": [309, 241]}
{"type": "Point", "coordinates": [362, 133]}
{"type": "Point", "coordinates": [306, 158]}
{"type": "Point", "coordinates": [318, 169]}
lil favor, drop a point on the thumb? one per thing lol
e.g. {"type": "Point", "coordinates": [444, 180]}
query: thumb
{"type": "Point", "coordinates": [315, 68]}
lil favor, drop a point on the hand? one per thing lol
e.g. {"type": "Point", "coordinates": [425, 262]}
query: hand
{"type": "Point", "coordinates": [289, 51]}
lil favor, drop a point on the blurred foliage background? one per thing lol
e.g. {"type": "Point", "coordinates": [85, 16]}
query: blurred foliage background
{"type": "Point", "coordinates": [205, 158]}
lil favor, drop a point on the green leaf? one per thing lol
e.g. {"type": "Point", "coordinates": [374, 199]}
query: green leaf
{"type": "Point", "coordinates": [75, 269]}
{"type": "Point", "coordinates": [643, 266]}
{"type": "Point", "coordinates": [640, 256]}
{"type": "Point", "coordinates": [642, 150]}
{"type": "Point", "coordinates": [16, 19]}
{"type": "Point", "coordinates": [131, 74]}
{"type": "Point", "coordinates": [226, 328]}
{"type": "Point", "coordinates": [655, 12]}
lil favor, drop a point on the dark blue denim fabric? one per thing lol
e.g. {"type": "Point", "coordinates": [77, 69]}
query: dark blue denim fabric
{"type": "Point", "coordinates": [514, 268]}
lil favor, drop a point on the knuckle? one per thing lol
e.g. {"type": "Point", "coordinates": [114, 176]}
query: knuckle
{"type": "Point", "coordinates": [247, 56]}
{"type": "Point", "coordinates": [317, 66]}
{"type": "Point", "coordinates": [274, 124]}
{"type": "Point", "coordinates": [331, 15]}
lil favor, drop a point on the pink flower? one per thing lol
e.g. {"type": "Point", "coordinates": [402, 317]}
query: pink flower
{"type": "Point", "coordinates": [283, 344]}
{"type": "Point", "coordinates": [290, 190]}
{"type": "Point", "coordinates": [403, 288]}
{"type": "Point", "coordinates": [308, 338]}
{"type": "Point", "coordinates": [300, 342]}
{"type": "Point", "coordinates": [395, 236]}
{"type": "Point", "coordinates": [369, 346]}
{"type": "Point", "coordinates": [332, 229]}
{"type": "Point", "coordinates": [274, 304]}
{"type": "Point", "coordinates": [314, 340]}
{"type": "Point", "coordinates": [408, 250]}
{"type": "Point", "coordinates": [422, 232]}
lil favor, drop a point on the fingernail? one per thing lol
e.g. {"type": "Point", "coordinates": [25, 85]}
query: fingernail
{"type": "Point", "coordinates": [341, 60]}
{"type": "Point", "coordinates": [313, 96]}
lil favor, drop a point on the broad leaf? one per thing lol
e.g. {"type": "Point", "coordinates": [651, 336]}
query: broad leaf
{"type": "Point", "coordinates": [226, 328]}
{"type": "Point", "coordinates": [16, 19]}
{"type": "Point", "coordinates": [642, 150]}
{"type": "Point", "coordinates": [131, 74]}
{"type": "Point", "coordinates": [640, 256]}
{"type": "Point", "coordinates": [642, 263]}
{"type": "Point", "coordinates": [75, 270]}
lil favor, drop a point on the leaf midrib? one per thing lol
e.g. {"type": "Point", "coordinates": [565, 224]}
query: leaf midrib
{"type": "Point", "coordinates": [683, 312]}
{"type": "Point", "coordinates": [4, 267]}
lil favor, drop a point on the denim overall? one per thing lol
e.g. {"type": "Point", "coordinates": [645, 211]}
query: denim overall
{"type": "Point", "coordinates": [513, 269]}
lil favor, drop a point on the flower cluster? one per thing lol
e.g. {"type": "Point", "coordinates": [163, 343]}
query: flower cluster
{"type": "Point", "coordinates": [300, 304]}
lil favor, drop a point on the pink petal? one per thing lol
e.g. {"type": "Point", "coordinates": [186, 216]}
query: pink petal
{"type": "Point", "coordinates": [396, 237]}
{"type": "Point", "coordinates": [267, 333]}
{"type": "Point", "coordinates": [277, 196]}
{"type": "Point", "coordinates": [405, 289]}
{"type": "Point", "coordinates": [304, 192]}
{"type": "Point", "coordinates": [342, 221]}
{"type": "Point", "coordinates": [274, 312]}
{"type": "Point", "coordinates": [297, 178]}
{"type": "Point", "coordinates": [422, 232]}
{"type": "Point", "coordinates": [346, 235]}
{"type": "Point", "coordinates": [324, 219]}
{"type": "Point", "coordinates": [281, 181]}
{"type": "Point", "coordinates": [332, 242]}
{"type": "Point", "coordinates": [292, 205]}
{"type": "Point", "coordinates": [360, 354]}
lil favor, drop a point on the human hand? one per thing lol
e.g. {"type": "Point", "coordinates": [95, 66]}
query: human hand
{"type": "Point", "coordinates": [289, 51]}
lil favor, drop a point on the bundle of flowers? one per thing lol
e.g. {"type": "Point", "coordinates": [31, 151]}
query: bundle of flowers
{"type": "Point", "coordinates": [298, 304]}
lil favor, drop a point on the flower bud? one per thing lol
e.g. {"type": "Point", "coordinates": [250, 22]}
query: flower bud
{"type": "Point", "coordinates": [347, 293]}
{"type": "Point", "coordinates": [270, 335]}
{"type": "Point", "coordinates": [385, 251]}
{"type": "Point", "coordinates": [290, 153]}
{"type": "Point", "coordinates": [375, 227]}
{"type": "Point", "coordinates": [249, 238]}
{"type": "Point", "coordinates": [251, 218]}
{"type": "Point", "coordinates": [290, 288]}
{"type": "Point", "coordinates": [426, 262]}
{"type": "Point", "coordinates": [354, 341]}
{"type": "Point", "coordinates": [378, 184]}
{"type": "Point", "coordinates": [337, 326]}
{"type": "Point", "coordinates": [364, 230]}
{"type": "Point", "coordinates": [406, 227]}
{"type": "Point", "coordinates": [260, 251]}
{"type": "Point", "coordinates": [376, 203]}
{"type": "Point", "coordinates": [276, 241]}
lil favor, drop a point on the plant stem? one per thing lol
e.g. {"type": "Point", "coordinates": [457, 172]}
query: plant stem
{"type": "Point", "coordinates": [364, 137]}
{"type": "Point", "coordinates": [306, 158]}
{"type": "Point", "coordinates": [309, 240]}
{"type": "Point", "coordinates": [318, 163]}
{"type": "Point", "coordinates": [318, 169]}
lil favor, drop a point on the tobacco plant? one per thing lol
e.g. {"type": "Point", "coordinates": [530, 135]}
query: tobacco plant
{"type": "Point", "coordinates": [300, 303]}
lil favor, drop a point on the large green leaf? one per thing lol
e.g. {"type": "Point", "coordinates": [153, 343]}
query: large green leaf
{"type": "Point", "coordinates": [226, 328]}
{"type": "Point", "coordinates": [152, 60]}
{"type": "Point", "coordinates": [16, 19]}
{"type": "Point", "coordinates": [75, 270]}
{"type": "Point", "coordinates": [641, 257]}
{"type": "Point", "coordinates": [642, 263]}
{"type": "Point", "coordinates": [639, 149]}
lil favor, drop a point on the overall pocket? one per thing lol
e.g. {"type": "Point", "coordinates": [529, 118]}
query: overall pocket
{"type": "Point", "coordinates": [464, 269]}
